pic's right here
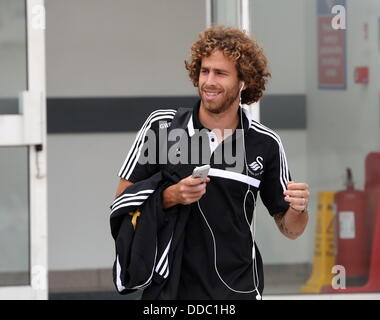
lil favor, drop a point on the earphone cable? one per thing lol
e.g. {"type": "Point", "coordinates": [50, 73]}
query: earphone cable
{"type": "Point", "coordinates": [252, 230]}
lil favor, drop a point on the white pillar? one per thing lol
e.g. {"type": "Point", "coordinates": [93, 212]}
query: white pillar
{"type": "Point", "coordinates": [246, 23]}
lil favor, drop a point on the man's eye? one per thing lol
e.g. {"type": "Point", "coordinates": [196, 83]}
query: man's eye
{"type": "Point", "coordinates": [204, 71]}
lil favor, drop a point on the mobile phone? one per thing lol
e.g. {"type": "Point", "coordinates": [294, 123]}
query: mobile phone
{"type": "Point", "coordinates": [201, 172]}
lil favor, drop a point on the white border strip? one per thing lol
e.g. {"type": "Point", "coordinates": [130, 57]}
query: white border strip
{"type": "Point", "coordinates": [119, 284]}
{"type": "Point", "coordinates": [245, 16]}
{"type": "Point", "coordinates": [284, 171]}
{"type": "Point", "coordinates": [134, 152]}
{"type": "Point", "coordinates": [234, 176]}
{"type": "Point", "coordinates": [208, 13]}
{"type": "Point", "coordinates": [165, 266]}
{"type": "Point", "coordinates": [190, 126]}
{"type": "Point", "coordinates": [128, 204]}
{"type": "Point", "coordinates": [337, 296]}
{"type": "Point", "coordinates": [120, 287]}
{"type": "Point", "coordinates": [165, 253]}
{"type": "Point", "coordinates": [128, 195]}
{"type": "Point", "coordinates": [128, 199]}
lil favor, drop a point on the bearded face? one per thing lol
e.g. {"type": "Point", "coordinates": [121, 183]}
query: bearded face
{"type": "Point", "coordinates": [218, 83]}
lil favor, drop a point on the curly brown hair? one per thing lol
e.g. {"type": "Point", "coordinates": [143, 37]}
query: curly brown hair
{"type": "Point", "coordinates": [250, 61]}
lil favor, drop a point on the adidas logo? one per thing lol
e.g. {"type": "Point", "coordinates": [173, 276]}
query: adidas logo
{"type": "Point", "coordinates": [257, 165]}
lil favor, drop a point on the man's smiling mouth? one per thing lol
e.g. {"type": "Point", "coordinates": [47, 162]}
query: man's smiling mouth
{"type": "Point", "coordinates": [211, 95]}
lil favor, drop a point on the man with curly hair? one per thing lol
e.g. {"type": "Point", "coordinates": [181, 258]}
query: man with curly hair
{"type": "Point", "coordinates": [220, 258]}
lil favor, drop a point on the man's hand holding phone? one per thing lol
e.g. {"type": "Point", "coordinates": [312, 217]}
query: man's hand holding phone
{"type": "Point", "coordinates": [188, 190]}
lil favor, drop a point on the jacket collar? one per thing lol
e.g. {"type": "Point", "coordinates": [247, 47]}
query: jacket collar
{"type": "Point", "coordinates": [194, 122]}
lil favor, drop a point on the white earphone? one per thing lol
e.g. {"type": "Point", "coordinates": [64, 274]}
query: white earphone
{"type": "Point", "coordinates": [242, 86]}
{"type": "Point", "coordinates": [249, 191]}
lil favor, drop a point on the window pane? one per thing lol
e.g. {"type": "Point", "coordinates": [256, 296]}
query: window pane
{"type": "Point", "coordinates": [331, 58]}
{"type": "Point", "coordinates": [14, 216]}
{"type": "Point", "coordinates": [13, 70]}
{"type": "Point", "coordinates": [225, 12]}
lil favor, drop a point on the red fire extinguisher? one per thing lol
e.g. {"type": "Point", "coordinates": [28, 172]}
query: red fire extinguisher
{"type": "Point", "coordinates": [372, 189]}
{"type": "Point", "coordinates": [351, 233]}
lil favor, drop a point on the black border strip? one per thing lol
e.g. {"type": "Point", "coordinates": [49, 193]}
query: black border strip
{"type": "Point", "coordinates": [283, 111]}
{"type": "Point", "coordinates": [85, 115]}
{"type": "Point", "coordinates": [127, 114]}
{"type": "Point", "coordinates": [9, 106]}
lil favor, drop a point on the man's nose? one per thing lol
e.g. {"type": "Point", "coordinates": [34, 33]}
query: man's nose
{"type": "Point", "coordinates": [210, 81]}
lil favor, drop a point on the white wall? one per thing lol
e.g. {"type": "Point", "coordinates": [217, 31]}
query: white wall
{"type": "Point", "coordinates": [101, 48]}
{"type": "Point", "coordinates": [82, 180]}
{"type": "Point", "coordinates": [279, 27]}
{"type": "Point", "coordinates": [111, 51]}
{"type": "Point", "coordinates": [119, 47]}
{"type": "Point", "coordinates": [343, 125]}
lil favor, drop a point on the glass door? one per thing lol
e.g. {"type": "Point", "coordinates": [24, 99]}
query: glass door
{"type": "Point", "coordinates": [325, 65]}
{"type": "Point", "coordinates": [23, 225]}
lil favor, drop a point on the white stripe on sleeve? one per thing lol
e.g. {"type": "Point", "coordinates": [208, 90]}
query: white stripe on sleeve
{"type": "Point", "coordinates": [128, 204]}
{"type": "Point", "coordinates": [130, 195]}
{"type": "Point", "coordinates": [284, 171]}
{"type": "Point", "coordinates": [134, 153]}
{"type": "Point", "coordinates": [234, 176]}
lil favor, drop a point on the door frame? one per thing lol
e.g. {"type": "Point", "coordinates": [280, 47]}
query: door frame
{"type": "Point", "coordinates": [29, 129]}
